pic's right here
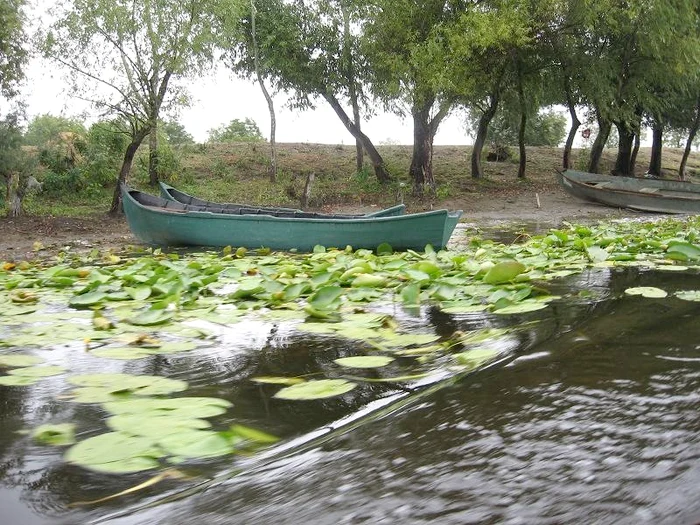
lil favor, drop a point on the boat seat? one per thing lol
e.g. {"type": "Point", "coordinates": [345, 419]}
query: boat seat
{"type": "Point", "coordinates": [649, 190]}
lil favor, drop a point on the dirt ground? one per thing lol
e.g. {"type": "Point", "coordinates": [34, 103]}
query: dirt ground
{"type": "Point", "coordinates": [28, 238]}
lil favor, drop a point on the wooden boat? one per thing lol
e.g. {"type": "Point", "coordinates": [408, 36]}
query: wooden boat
{"type": "Point", "coordinates": [170, 193]}
{"type": "Point", "coordinates": [159, 221]}
{"type": "Point", "coordinates": [655, 195]}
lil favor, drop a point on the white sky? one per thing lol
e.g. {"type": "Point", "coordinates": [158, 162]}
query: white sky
{"type": "Point", "coordinates": [220, 98]}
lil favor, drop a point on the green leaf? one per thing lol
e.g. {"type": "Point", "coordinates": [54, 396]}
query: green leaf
{"type": "Point", "coordinates": [87, 299]}
{"type": "Point", "coordinates": [14, 360]}
{"type": "Point", "coordinates": [476, 357]}
{"type": "Point", "coordinates": [55, 434]}
{"type": "Point", "coordinates": [196, 444]}
{"type": "Point", "coordinates": [252, 434]}
{"type": "Point", "coordinates": [17, 380]}
{"type": "Point", "coordinates": [115, 452]}
{"type": "Point", "coordinates": [38, 371]}
{"type": "Point", "coordinates": [275, 380]}
{"type": "Point", "coordinates": [530, 305]}
{"type": "Point", "coordinates": [317, 389]}
{"type": "Point", "coordinates": [325, 297]}
{"type": "Point", "coordinates": [151, 317]}
{"type": "Point", "coordinates": [364, 361]}
{"type": "Point", "coordinates": [647, 291]}
{"type": "Point", "coordinates": [503, 272]}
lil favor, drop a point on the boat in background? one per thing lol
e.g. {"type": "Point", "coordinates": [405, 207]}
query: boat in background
{"type": "Point", "coordinates": [163, 222]}
{"type": "Point", "coordinates": [654, 195]}
{"type": "Point", "coordinates": [170, 193]}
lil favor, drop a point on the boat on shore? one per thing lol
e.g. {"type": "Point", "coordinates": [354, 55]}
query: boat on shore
{"type": "Point", "coordinates": [163, 222]}
{"type": "Point", "coordinates": [654, 195]}
{"type": "Point", "coordinates": [170, 193]}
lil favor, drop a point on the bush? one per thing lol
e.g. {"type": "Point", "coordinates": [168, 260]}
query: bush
{"type": "Point", "coordinates": [70, 181]}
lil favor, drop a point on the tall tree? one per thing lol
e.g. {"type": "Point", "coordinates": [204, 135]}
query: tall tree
{"type": "Point", "coordinates": [300, 47]}
{"type": "Point", "coordinates": [13, 55]}
{"type": "Point", "coordinates": [407, 50]}
{"type": "Point", "coordinates": [123, 55]}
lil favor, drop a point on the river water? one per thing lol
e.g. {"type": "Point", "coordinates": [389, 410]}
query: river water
{"type": "Point", "coordinates": [593, 418]}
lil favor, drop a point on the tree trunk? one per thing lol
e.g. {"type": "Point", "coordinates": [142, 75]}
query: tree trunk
{"type": "Point", "coordinates": [635, 152]}
{"type": "Point", "coordinates": [656, 147]}
{"type": "Point", "coordinates": [421, 170]}
{"type": "Point", "coordinates": [522, 162]}
{"type": "Point", "coordinates": [136, 140]}
{"type": "Point", "coordinates": [153, 153]}
{"type": "Point", "coordinates": [601, 138]}
{"type": "Point", "coordinates": [567, 161]}
{"type": "Point", "coordinates": [624, 150]}
{"type": "Point", "coordinates": [14, 195]}
{"type": "Point", "coordinates": [272, 171]}
{"type": "Point", "coordinates": [480, 139]}
{"type": "Point", "coordinates": [352, 86]}
{"type": "Point", "coordinates": [689, 143]}
{"type": "Point", "coordinates": [377, 161]}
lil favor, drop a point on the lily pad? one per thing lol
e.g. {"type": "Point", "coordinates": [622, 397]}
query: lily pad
{"type": "Point", "coordinates": [521, 308]}
{"type": "Point", "coordinates": [364, 361]}
{"type": "Point", "coordinates": [115, 452]}
{"type": "Point", "coordinates": [275, 380]}
{"type": "Point", "coordinates": [55, 434]}
{"type": "Point", "coordinates": [38, 371]}
{"type": "Point", "coordinates": [316, 389]}
{"type": "Point", "coordinates": [196, 444]}
{"type": "Point", "coordinates": [181, 407]}
{"type": "Point", "coordinates": [476, 357]}
{"type": "Point", "coordinates": [503, 271]}
{"type": "Point", "coordinates": [647, 291]}
{"type": "Point", "coordinates": [14, 360]}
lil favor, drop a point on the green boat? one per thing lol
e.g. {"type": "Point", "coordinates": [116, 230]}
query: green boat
{"type": "Point", "coordinates": [173, 194]}
{"type": "Point", "coordinates": [161, 222]}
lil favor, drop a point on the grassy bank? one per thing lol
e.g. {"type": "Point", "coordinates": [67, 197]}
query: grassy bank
{"type": "Point", "coordinates": [238, 173]}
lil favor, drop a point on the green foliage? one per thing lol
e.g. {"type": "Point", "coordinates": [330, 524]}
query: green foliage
{"type": "Point", "coordinates": [547, 128]}
{"type": "Point", "coordinates": [13, 55]}
{"type": "Point", "coordinates": [175, 133]}
{"type": "Point", "coordinates": [47, 129]}
{"type": "Point", "coordinates": [236, 131]}
{"type": "Point", "coordinates": [106, 142]}
{"type": "Point", "coordinates": [10, 144]}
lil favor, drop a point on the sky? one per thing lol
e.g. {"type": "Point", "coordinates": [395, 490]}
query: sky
{"type": "Point", "coordinates": [219, 98]}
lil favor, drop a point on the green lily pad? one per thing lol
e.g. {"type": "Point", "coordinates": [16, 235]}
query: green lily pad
{"type": "Point", "coordinates": [15, 360]}
{"type": "Point", "coordinates": [55, 434]}
{"type": "Point", "coordinates": [476, 357]}
{"type": "Point", "coordinates": [155, 426]}
{"type": "Point", "coordinates": [181, 407]}
{"type": "Point", "coordinates": [124, 353]}
{"type": "Point", "coordinates": [115, 452]}
{"type": "Point", "coordinates": [647, 291]}
{"type": "Point", "coordinates": [364, 361]}
{"type": "Point", "coordinates": [151, 318]}
{"type": "Point", "coordinates": [38, 371]}
{"type": "Point", "coordinates": [522, 307]}
{"type": "Point", "coordinates": [98, 388]}
{"type": "Point", "coordinates": [317, 389]}
{"type": "Point", "coordinates": [503, 272]}
{"type": "Point", "coordinates": [688, 295]}
{"type": "Point", "coordinates": [196, 444]}
{"type": "Point", "coordinates": [275, 380]}
{"type": "Point", "coordinates": [87, 299]}
{"type": "Point", "coordinates": [17, 380]}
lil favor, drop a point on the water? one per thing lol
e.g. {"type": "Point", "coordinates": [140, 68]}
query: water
{"type": "Point", "coordinates": [593, 420]}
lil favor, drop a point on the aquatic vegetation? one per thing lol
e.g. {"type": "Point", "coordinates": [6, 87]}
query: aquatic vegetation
{"type": "Point", "coordinates": [153, 304]}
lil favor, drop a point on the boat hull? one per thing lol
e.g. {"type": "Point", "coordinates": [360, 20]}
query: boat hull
{"type": "Point", "coordinates": [154, 223]}
{"type": "Point", "coordinates": [170, 193]}
{"type": "Point", "coordinates": [653, 195]}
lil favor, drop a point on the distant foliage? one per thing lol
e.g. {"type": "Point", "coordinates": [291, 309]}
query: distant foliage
{"type": "Point", "coordinates": [45, 129]}
{"type": "Point", "coordinates": [106, 143]}
{"type": "Point", "coordinates": [236, 131]}
{"type": "Point", "coordinates": [175, 133]}
{"type": "Point", "coordinates": [547, 128]}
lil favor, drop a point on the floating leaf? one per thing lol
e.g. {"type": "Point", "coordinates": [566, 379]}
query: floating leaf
{"type": "Point", "coordinates": [647, 291]}
{"type": "Point", "coordinates": [364, 361]}
{"type": "Point", "coordinates": [688, 295]}
{"type": "Point", "coordinates": [182, 407]}
{"type": "Point", "coordinates": [476, 357]}
{"type": "Point", "coordinates": [38, 371]}
{"type": "Point", "coordinates": [251, 434]}
{"type": "Point", "coordinates": [521, 308]}
{"type": "Point", "coordinates": [196, 444]}
{"type": "Point", "coordinates": [317, 389]}
{"type": "Point", "coordinates": [275, 380]}
{"type": "Point", "coordinates": [55, 434]}
{"type": "Point", "coordinates": [87, 299]}
{"type": "Point", "coordinates": [503, 272]}
{"type": "Point", "coordinates": [155, 426]}
{"type": "Point", "coordinates": [150, 317]}
{"type": "Point", "coordinates": [14, 360]}
{"type": "Point", "coordinates": [17, 380]}
{"type": "Point", "coordinates": [115, 452]}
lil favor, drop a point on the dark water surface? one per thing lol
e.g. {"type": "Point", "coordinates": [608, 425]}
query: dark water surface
{"type": "Point", "coordinates": [593, 419]}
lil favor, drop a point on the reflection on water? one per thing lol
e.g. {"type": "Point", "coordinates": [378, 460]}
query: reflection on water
{"type": "Point", "coordinates": [595, 420]}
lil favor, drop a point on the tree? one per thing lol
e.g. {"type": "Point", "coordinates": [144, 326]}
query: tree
{"type": "Point", "coordinates": [13, 55]}
{"type": "Point", "coordinates": [122, 55]}
{"type": "Point", "coordinates": [236, 131]}
{"type": "Point", "coordinates": [406, 47]}
{"type": "Point", "coordinates": [46, 128]}
{"type": "Point", "coordinates": [300, 51]}
{"type": "Point", "coordinates": [16, 164]}
{"type": "Point", "coordinates": [176, 133]}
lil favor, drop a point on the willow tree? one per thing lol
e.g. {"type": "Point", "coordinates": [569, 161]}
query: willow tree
{"type": "Point", "coordinates": [302, 48]}
{"type": "Point", "coordinates": [125, 56]}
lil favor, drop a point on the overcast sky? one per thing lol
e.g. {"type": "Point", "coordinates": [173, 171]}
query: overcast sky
{"type": "Point", "coordinates": [220, 98]}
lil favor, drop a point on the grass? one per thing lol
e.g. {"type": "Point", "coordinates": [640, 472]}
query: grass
{"type": "Point", "coordinates": [237, 172]}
